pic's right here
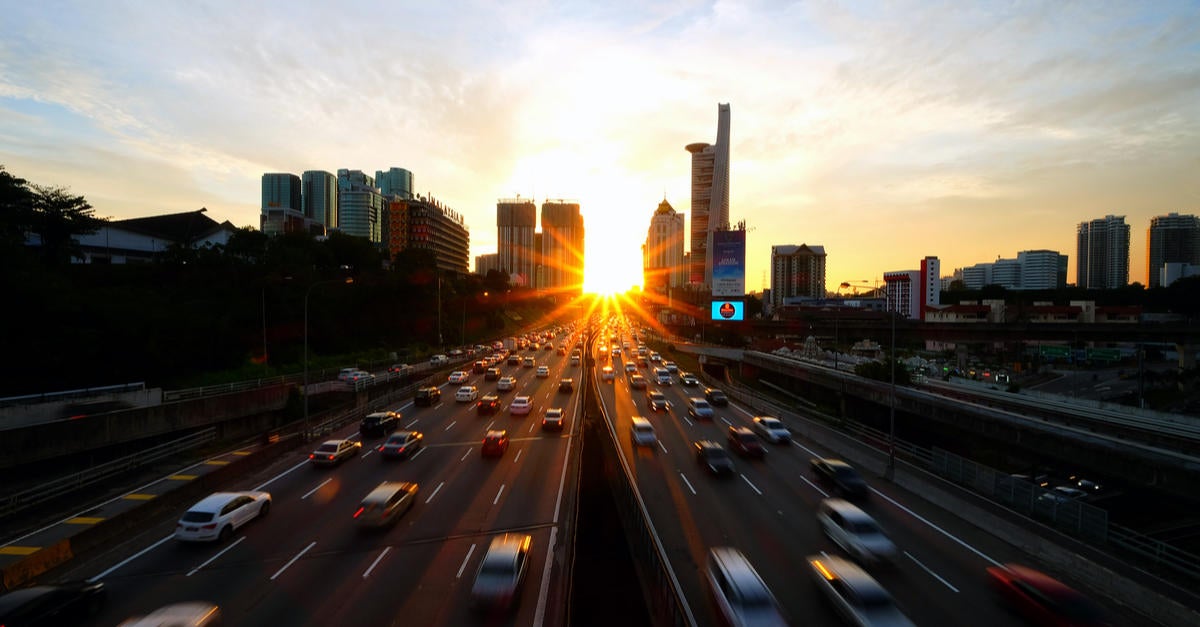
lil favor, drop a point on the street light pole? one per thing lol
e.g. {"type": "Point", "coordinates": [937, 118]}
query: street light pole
{"type": "Point", "coordinates": [891, 467]}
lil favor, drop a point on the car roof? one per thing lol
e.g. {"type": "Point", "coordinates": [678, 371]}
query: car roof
{"type": "Point", "coordinates": [497, 433]}
{"type": "Point", "coordinates": [707, 445]}
{"type": "Point", "coordinates": [638, 420]}
{"type": "Point", "coordinates": [400, 434]}
{"type": "Point", "coordinates": [738, 571]}
{"type": "Point", "coordinates": [846, 509]}
{"type": "Point", "coordinates": [504, 548]}
{"type": "Point", "coordinates": [215, 501]}
{"type": "Point", "coordinates": [385, 490]}
{"type": "Point", "coordinates": [850, 574]}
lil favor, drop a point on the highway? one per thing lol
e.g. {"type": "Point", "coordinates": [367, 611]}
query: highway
{"type": "Point", "coordinates": [767, 509]}
{"type": "Point", "coordinates": [307, 563]}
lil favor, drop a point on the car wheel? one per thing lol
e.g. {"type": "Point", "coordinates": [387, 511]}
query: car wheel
{"type": "Point", "coordinates": [264, 510]}
{"type": "Point", "coordinates": [226, 531]}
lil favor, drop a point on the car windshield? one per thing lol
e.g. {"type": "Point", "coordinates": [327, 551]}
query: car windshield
{"type": "Point", "coordinates": [397, 439]}
{"type": "Point", "coordinates": [494, 565]}
{"type": "Point", "coordinates": [846, 473]}
{"type": "Point", "coordinates": [327, 448]}
{"type": "Point", "coordinates": [701, 405]}
{"type": "Point", "coordinates": [865, 528]}
{"type": "Point", "coordinates": [771, 424]}
{"type": "Point", "coordinates": [715, 454]}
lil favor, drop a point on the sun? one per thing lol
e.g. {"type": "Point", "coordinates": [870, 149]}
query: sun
{"type": "Point", "coordinates": [606, 278]}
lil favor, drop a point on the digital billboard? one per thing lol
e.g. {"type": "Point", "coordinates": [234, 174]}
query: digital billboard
{"type": "Point", "coordinates": [728, 264]}
{"type": "Point", "coordinates": [728, 310]}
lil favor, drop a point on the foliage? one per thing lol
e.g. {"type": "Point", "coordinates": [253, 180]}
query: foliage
{"type": "Point", "coordinates": [882, 371]}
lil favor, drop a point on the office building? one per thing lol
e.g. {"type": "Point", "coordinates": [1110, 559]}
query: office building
{"type": "Point", "coordinates": [561, 259]}
{"type": "Point", "coordinates": [360, 206]}
{"type": "Point", "coordinates": [487, 263]}
{"type": "Point", "coordinates": [710, 198]}
{"type": "Point", "coordinates": [1102, 253]}
{"type": "Point", "coordinates": [516, 224]}
{"type": "Point", "coordinates": [395, 182]}
{"type": "Point", "coordinates": [1042, 269]}
{"type": "Point", "coordinates": [424, 223]}
{"type": "Point", "coordinates": [1172, 238]}
{"type": "Point", "coordinates": [281, 190]}
{"type": "Point", "coordinates": [662, 254]}
{"type": "Point", "coordinates": [796, 271]}
{"type": "Point", "coordinates": [320, 198]}
{"type": "Point", "coordinates": [911, 292]}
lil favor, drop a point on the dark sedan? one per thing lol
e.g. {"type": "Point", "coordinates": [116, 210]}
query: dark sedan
{"type": "Point", "coordinates": [842, 476]}
{"type": "Point", "coordinates": [64, 604]}
{"type": "Point", "coordinates": [714, 457]}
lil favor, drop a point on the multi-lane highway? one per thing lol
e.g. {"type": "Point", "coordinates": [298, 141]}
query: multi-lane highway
{"type": "Point", "coordinates": [767, 509]}
{"type": "Point", "coordinates": [307, 563]}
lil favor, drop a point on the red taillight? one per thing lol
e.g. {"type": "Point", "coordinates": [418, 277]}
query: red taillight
{"type": "Point", "coordinates": [360, 510]}
{"type": "Point", "coordinates": [312, 456]}
{"type": "Point", "coordinates": [380, 449]}
{"type": "Point", "coordinates": [209, 526]}
{"type": "Point", "coordinates": [331, 458]}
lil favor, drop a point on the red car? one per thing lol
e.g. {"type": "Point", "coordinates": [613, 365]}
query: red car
{"type": "Point", "coordinates": [1043, 600]}
{"type": "Point", "coordinates": [495, 443]}
{"type": "Point", "coordinates": [745, 442]}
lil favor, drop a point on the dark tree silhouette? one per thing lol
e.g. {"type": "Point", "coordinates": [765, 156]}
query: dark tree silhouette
{"type": "Point", "coordinates": [59, 218]}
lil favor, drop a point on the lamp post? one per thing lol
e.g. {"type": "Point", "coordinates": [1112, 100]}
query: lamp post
{"type": "Point", "coordinates": [890, 472]}
{"type": "Point", "coordinates": [307, 293]}
{"type": "Point", "coordinates": [837, 314]}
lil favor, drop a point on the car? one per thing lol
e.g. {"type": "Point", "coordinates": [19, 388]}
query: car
{"type": "Point", "coordinates": [428, 396]}
{"type": "Point", "coordinates": [553, 419]}
{"type": "Point", "coordinates": [506, 383]}
{"type": "Point", "coordinates": [361, 376]}
{"type": "Point", "coordinates": [547, 346]}
{"type": "Point", "coordinates": [630, 368]}
{"type": "Point", "coordinates": [642, 432]}
{"type": "Point", "coordinates": [855, 532]}
{"type": "Point", "coordinates": [745, 443]}
{"type": "Point", "coordinates": [495, 442]}
{"type": "Point", "coordinates": [856, 597]}
{"type": "Point", "coordinates": [492, 374]}
{"type": "Point", "coordinates": [662, 376]}
{"type": "Point", "coordinates": [616, 351]}
{"type": "Point", "coordinates": [841, 476]}
{"type": "Point", "coordinates": [218, 515]}
{"type": "Point", "coordinates": [480, 366]}
{"type": "Point", "coordinates": [488, 404]}
{"type": "Point", "coordinates": [386, 503]}
{"type": "Point", "coordinates": [656, 357]}
{"type": "Point", "coordinates": [1063, 494]}
{"type": "Point", "coordinates": [699, 409]}
{"type": "Point", "coordinates": [607, 374]}
{"type": "Point", "coordinates": [186, 614]}
{"type": "Point", "coordinates": [712, 456]}
{"type": "Point", "coordinates": [772, 430]}
{"type": "Point", "coordinates": [378, 423]}
{"type": "Point", "coordinates": [333, 452]}
{"type": "Point", "coordinates": [466, 394]}
{"type": "Point", "coordinates": [740, 594]}
{"type": "Point", "coordinates": [543, 372]}
{"type": "Point", "coordinates": [520, 405]}
{"type": "Point", "coordinates": [401, 445]}
{"type": "Point", "coordinates": [528, 362]}
{"type": "Point", "coordinates": [439, 360]}
{"type": "Point", "coordinates": [458, 377]}
{"type": "Point", "coordinates": [716, 397]}
{"type": "Point", "coordinates": [657, 401]}
{"type": "Point", "coordinates": [400, 370]}
{"type": "Point", "coordinates": [637, 382]}
{"type": "Point", "coordinates": [671, 366]}
{"type": "Point", "coordinates": [1041, 599]}
{"type": "Point", "coordinates": [688, 379]}
{"type": "Point", "coordinates": [346, 373]}
{"type": "Point", "coordinates": [501, 572]}
{"type": "Point", "coordinates": [514, 359]}
{"type": "Point", "coordinates": [70, 603]}
{"type": "Point", "coordinates": [566, 386]}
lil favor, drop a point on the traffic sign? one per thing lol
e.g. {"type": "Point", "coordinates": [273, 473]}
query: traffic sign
{"type": "Point", "coordinates": [1054, 351]}
{"type": "Point", "coordinates": [1104, 354]}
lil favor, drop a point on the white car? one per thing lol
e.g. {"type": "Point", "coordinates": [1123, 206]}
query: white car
{"type": "Point", "coordinates": [506, 383]}
{"type": "Point", "coordinates": [854, 594]}
{"type": "Point", "coordinates": [458, 376]}
{"type": "Point", "coordinates": [772, 430]}
{"type": "Point", "coordinates": [520, 405]}
{"type": "Point", "coordinates": [218, 515]}
{"type": "Point", "coordinates": [855, 531]}
{"type": "Point", "coordinates": [466, 394]}
{"type": "Point", "coordinates": [543, 371]}
{"type": "Point", "coordinates": [642, 432]}
{"type": "Point", "coordinates": [607, 374]}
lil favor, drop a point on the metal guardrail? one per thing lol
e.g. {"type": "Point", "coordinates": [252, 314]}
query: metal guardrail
{"type": "Point", "coordinates": [227, 388]}
{"type": "Point", "coordinates": [68, 394]}
{"type": "Point", "coordinates": [62, 486]}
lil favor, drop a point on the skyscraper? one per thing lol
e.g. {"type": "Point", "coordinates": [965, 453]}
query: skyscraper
{"type": "Point", "coordinates": [910, 292]}
{"type": "Point", "coordinates": [710, 197]}
{"type": "Point", "coordinates": [561, 260]}
{"type": "Point", "coordinates": [1171, 239]}
{"type": "Point", "coordinates": [1102, 253]}
{"type": "Point", "coordinates": [797, 271]}
{"type": "Point", "coordinates": [281, 190]}
{"type": "Point", "coordinates": [516, 222]}
{"type": "Point", "coordinates": [360, 205]}
{"type": "Point", "coordinates": [320, 197]}
{"type": "Point", "coordinates": [395, 182]}
{"type": "Point", "coordinates": [662, 254]}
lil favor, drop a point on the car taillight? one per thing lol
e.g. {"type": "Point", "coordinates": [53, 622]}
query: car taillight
{"type": "Point", "coordinates": [312, 456]}
{"type": "Point", "coordinates": [331, 457]}
{"type": "Point", "coordinates": [360, 510]}
{"type": "Point", "coordinates": [209, 526]}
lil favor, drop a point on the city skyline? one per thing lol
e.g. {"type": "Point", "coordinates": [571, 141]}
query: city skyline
{"type": "Point", "coordinates": [997, 130]}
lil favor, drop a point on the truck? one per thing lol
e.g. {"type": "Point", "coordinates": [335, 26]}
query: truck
{"type": "Point", "coordinates": [510, 343]}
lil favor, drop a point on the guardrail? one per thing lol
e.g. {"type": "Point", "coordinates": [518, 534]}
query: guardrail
{"type": "Point", "coordinates": [64, 485]}
{"type": "Point", "coordinates": [66, 394]}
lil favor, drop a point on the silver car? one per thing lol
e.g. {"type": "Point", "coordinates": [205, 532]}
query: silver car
{"type": "Point", "coordinates": [501, 572]}
{"type": "Point", "coordinates": [772, 430]}
{"type": "Point", "coordinates": [854, 594]}
{"type": "Point", "coordinates": [855, 532]}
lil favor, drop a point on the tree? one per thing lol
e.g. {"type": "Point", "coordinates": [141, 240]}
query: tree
{"type": "Point", "coordinates": [16, 210]}
{"type": "Point", "coordinates": [59, 218]}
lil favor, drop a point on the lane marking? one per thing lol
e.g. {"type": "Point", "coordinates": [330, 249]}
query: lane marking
{"type": "Point", "coordinates": [465, 454]}
{"type": "Point", "coordinates": [419, 451]}
{"type": "Point", "coordinates": [660, 445]}
{"type": "Point", "coordinates": [928, 570]}
{"type": "Point", "coordinates": [452, 423]}
{"type": "Point", "coordinates": [205, 562]}
{"type": "Point", "coordinates": [489, 427]}
{"type": "Point", "coordinates": [293, 560]}
{"type": "Point", "coordinates": [689, 421]}
{"type": "Point", "coordinates": [409, 425]}
{"type": "Point", "coordinates": [937, 528]}
{"type": "Point", "coordinates": [130, 559]}
{"type": "Point", "coordinates": [726, 421]}
{"type": "Point", "coordinates": [689, 483]}
{"type": "Point", "coordinates": [464, 562]}
{"type": "Point", "coordinates": [435, 491]}
{"type": "Point", "coordinates": [376, 562]}
{"type": "Point", "coordinates": [518, 455]}
{"type": "Point", "coordinates": [531, 425]}
{"type": "Point", "coordinates": [498, 493]}
{"type": "Point", "coordinates": [319, 486]}
{"type": "Point", "coordinates": [539, 615]}
{"type": "Point", "coordinates": [752, 486]}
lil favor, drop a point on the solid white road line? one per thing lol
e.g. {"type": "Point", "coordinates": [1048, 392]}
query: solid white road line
{"type": "Point", "coordinates": [367, 573]}
{"type": "Point", "coordinates": [933, 574]}
{"type": "Point", "coordinates": [419, 451]}
{"type": "Point", "coordinates": [319, 486]}
{"type": "Point", "coordinates": [688, 421]}
{"type": "Point", "coordinates": [660, 445]}
{"type": "Point", "coordinates": [518, 455]}
{"type": "Point", "coordinates": [435, 491]}
{"type": "Point", "coordinates": [498, 493]}
{"type": "Point", "coordinates": [293, 560]}
{"type": "Point", "coordinates": [219, 554]}
{"type": "Point", "coordinates": [465, 454]}
{"type": "Point", "coordinates": [752, 486]}
{"type": "Point", "coordinates": [466, 558]}
{"type": "Point", "coordinates": [130, 559]}
{"type": "Point", "coordinates": [409, 425]}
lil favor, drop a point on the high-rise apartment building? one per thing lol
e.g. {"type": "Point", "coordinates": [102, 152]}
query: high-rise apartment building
{"type": "Point", "coordinates": [360, 206]}
{"type": "Point", "coordinates": [1172, 238]}
{"type": "Point", "coordinates": [320, 197]}
{"type": "Point", "coordinates": [516, 224]}
{"type": "Point", "coordinates": [437, 228]}
{"type": "Point", "coordinates": [911, 292]}
{"type": "Point", "coordinates": [1042, 269]}
{"type": "Point", "coordinates": [280, 189]}
{"type": "Point", "coordinates": [395, 182]}
{"type": "Point", "coordinates": [710, 197]}
{"type": "Point", "coordinates": [561, 260]}
{"type": "Point", "coordinates": [1102, 253]}
{"type": "Point", "coordinates": [662, 254]}
{"type": "Point", "coordinates": [797, 271]}
{"type": "Point", "coordinates": [486, 263]}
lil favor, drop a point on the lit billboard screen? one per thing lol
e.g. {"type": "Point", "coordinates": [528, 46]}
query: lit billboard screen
{"type": "Point", "coordinates": [728, 264]}
{"type": "Point", "coordinates": [728, 310]}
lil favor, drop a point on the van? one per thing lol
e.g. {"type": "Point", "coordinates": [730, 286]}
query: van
{"type": "Point", "coordinates": [739, 592]}
{"type": "Point", "coordinates": [386, 503]}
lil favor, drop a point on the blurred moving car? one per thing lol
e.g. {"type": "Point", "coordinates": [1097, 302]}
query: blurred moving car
{"type": "Point", "coordinates": [772, 430]}
{"type": "Point", "coordinates": [458, 377]}
{"type": "Point", "coordinates": [566, 386]}
{"type": "Point", "coordinates": [688, 379]}
{"type": "Point", "coordinates": [657, 401]}
{"type": "Point", "coordinates": [854, 594]}
{"type": "Point", "coordinates": [543, 372]}
{"type": "Point", "coordinates": [492, 374]}
{"type": "Point", "coordinates": [186, 614]}
{"type": "Point", "coordinates": [642, 432]}
{"type": "Point", "coordinates": [466, 394]}
{"type": "Point", "coordinates": [428, 396]}
{"type": "Point", "coordinates": [740, 594]}
{"type": "Point", "coordinates": [386, 503]}
{"type": "Point", "coordinates": [501, 572]}
{"type": "Point", "coordinates": [716, 397]}
{"type": "Point", "coordinates": [488, 404]}
{"type": "Point", "coordinates": [553, 419]}
{"type": "Point", "coordinates": [379, 423]}
{"type": "Point", "coordinates": [670, 365]}
{"type": "Point", "coordinates": [745, 443]}
{"type": "Point", "coordinates": [662, 376]}
{"type": "Point", "coordinates": [520, 406]}
{"type": "Point", "coordinates": [713, 457]}
{"type": "Point", "coordinates": [71, 603]}
{"type": "Point", "coordinates": [334, 452]}
{"type": "Point", "coordinates": [218, 515]}
{"type": "Point", "coordinates": [495, 443]}
{"type": "Point", "coordinates": [1041, 599]}
{"type": "Point", "coordinates": [841, 476]}
{"type": "Point", "coordinates": [401, 445]}
{"type": "Point", "coordinates": [637, 382]}
{"type": "Point", "coordinates": [699, 409]}
{"type": "Point", "coordinates": [607, 374]}
{"type": "Point", "coordinates": [506, 383]}
{"type": "Point", "coordinates": [855, 532]}
{"type": "Point", "coordinates": [1063, 494]}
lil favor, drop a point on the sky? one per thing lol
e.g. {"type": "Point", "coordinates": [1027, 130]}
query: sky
{"type": "Point", "coordinates": [883, 131]}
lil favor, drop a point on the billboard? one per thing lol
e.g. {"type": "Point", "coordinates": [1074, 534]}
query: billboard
{"type": "Point", "coordinates": [728, 264]}
{"type": "Point", "coordinates": [728, 310]}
